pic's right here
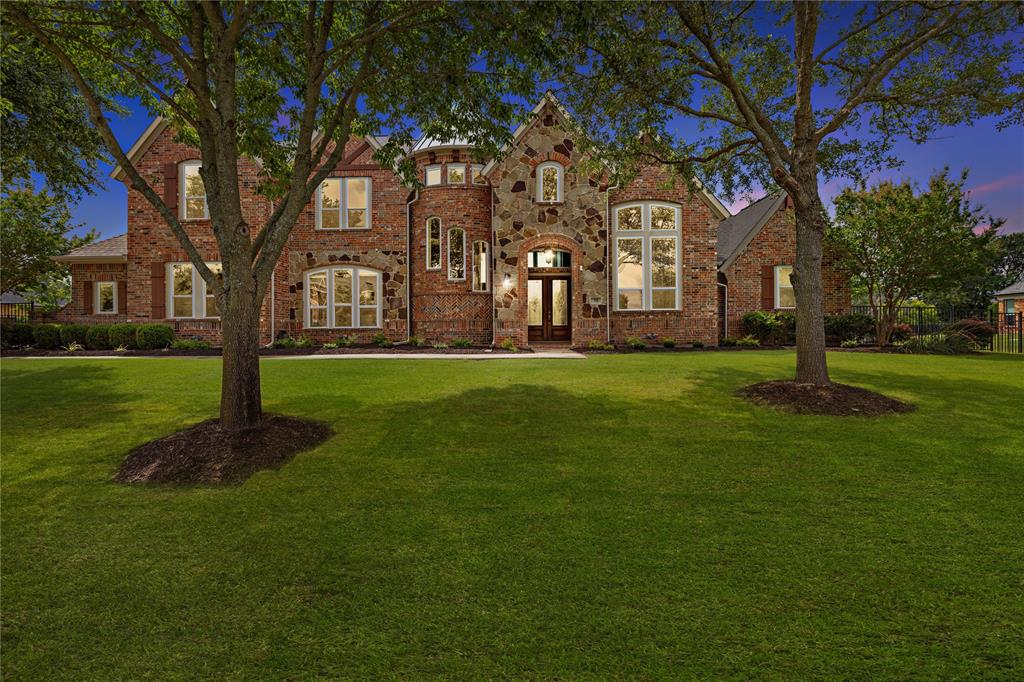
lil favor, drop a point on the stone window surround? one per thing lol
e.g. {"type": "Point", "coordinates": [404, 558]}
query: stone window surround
{"type": "Point", "coordinates": [357, 272]}
{"type": "Point", "coordinates": [559, 182]}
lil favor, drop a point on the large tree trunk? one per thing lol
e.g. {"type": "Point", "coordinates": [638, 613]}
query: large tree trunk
{"type": "Point", "coordinates": [811, 366]}
{"type": "Point", "coordinates": [240, 400]}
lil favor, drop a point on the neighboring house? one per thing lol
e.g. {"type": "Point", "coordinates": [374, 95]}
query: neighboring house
{"type": "Point", "coordinates": [528, 248]}
{"type": "Point", "coordinates": [1010, 303]}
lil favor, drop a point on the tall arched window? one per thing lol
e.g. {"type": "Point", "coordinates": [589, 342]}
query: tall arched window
{"type": "Point", "coordinates": [646, 256]}
{"type": "Point", "coordinates": [343, 297]}
{"type": "Point", "coordinates": [456, 254]}
{"type": "Point", "coordinates": [433, 243]}
{"type": "Point", "coordinates": [549, 182]}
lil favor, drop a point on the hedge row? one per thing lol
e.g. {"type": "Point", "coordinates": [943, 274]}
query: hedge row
{"type": "Point", "coordinates": [779, 329]}
{"type": "Point", "coordinates": [91, 336]}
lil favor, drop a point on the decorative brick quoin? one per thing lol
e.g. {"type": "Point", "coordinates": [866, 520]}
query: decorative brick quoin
{"type": "Point", "coordinates": [532, 247]}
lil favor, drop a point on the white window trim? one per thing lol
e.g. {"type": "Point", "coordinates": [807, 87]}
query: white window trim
{"type": "Point", "coordinates": [96, 298]}
{"type": "Point", "coordinates": [487, 264]}
{"type": "Point", "coordinates": [426, 175]}
{"type": "Point", "coordinates": [448, 253]}
{"type": "Point", "coordinates": [540, 182]}
{"type": "Point", "coordinates": [357, 272]}
{"type": "Point", "coordinates": [474, 170]}
{"type": "Point", "coordinates": [198, 293]}
{"type": "Point", "coordinates": [775, 273]}
{"type": "Point", "coordinates": [440, 244]}
{"type": "Point", "coordinates": [181, 192]}
{"type": "Point", "coordinates": [448, 177]}
{"type": "Point", "coordinates": [646, 233]}
{"type": "Point", "coordinates": [343, 209]}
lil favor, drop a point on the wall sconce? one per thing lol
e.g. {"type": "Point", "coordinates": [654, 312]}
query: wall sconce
{"type": "Point", "coordinates": [549, 257]}
{"type": "Point", "coordinates": [507, 282]}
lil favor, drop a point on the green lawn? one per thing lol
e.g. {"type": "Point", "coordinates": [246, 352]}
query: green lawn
{"type": "Point", "coordinates": [620, 516]}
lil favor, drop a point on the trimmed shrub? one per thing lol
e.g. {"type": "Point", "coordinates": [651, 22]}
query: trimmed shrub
{"type": "Point", "coordinates": [380, 339]}
{"type": "Point", "coordinates": [73, 333]}
{"type": "Point", "coordinates": [636, 343]}
{"type": "Point", "coordinates": [461, 343]}
{"type": "Point", "coordinates": [839, 328]}
{"type": "Point", "coordinates": [696, 344]}
{"type": "Point", "coordinates": [98, 337]}
{"type": "Point", "coordinates": [668, 343]}
{"type": "Point", "coordinates": [304, 341]}
{"type": "Point", "coordinates": [728, 341]}
{"type": "Point", "coordinates": [594, 344]}
{"type": "Point", "coordinates": [344, 341]}
{"type": "Point", "coordinates": [938, 344]}
{"type": "Point", "coordinates": [153, 336]}
{"type": "Point", "coordinates": [15, 334]}
{"type": "Point", "coordinates": [121, 334]}
{"type": "Point", "coordinates": [190, 344]}
{"type": "Point", "coordinates": [771, 329]}
{"type": "Point", "coordinates": [46, 336]}
{"type": "Point", "coordinates": [417, 341]}
{"type": "Point", "coordinates": [901, 332]}
{"type": "Point", "coordinates": [507, 344]}
{"type": "Point", "coordinates": [978, 331]}
{"type": "Point", "coordinates": [284, 342]}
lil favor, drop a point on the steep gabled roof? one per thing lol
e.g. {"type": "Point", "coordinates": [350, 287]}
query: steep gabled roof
{"type": "Point", "coordinates": [111, 250]}
{"type": "Point", "coordinates": [1013, 289]}
{"type": "Point", "coordinates": [142, 145]}
{"type": "Point", "coordinates": [736, 232]}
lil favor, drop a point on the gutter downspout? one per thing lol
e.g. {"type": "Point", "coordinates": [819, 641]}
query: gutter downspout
{"type": "Point", "coordinates": [608, 261]}
{"type": "Point", "coordinates": [408, 262]}
{"type": "Point", "coordinates": [725, 313]}
{"type": "Point", "coordinates": [492, 259]}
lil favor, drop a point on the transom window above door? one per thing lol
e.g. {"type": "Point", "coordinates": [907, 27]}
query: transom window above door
{"type": "Point", "coordinates": [549, 258]}
{"type": "Point", "coordinates": [343, 204]}
{"type": "Point", "coordinates": [647, 255]}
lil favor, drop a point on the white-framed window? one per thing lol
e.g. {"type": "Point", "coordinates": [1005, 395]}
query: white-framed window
{"type": "Point", "coordinates": [105, 298]}
{"type": "Point", "coordinates": [456, 173]}
{"type": "Point", "coordinates": [549, 182]}
{"type": "Point", "coordinates": [647, 256]}
{"type": "Point", "coordinates": [477, 171]}
{"type": "Point", "coordinates": [343, 204]}
{"type": "Point", "coordinates": [187, 293]}
{"type": "Point", "coordinates": [784, 295]}
{"type": "Point", "coordinates": [343, 297]}
{"type": "Point", "coordinates": [432, 175]}
{"type": "Point", "coordinates": [433, 243]}
{"type": "Point", "coordinates": [191, 192]}
{"type": "Point", "coordinates": [481, 263]}
{"type": "Point", "coordinates": [456, 254]}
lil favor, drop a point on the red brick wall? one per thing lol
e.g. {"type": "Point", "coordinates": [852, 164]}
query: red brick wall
{"type": "Point", "coordinates": [79, 308]}
{"type": "Point", "coordinates": [697, 318]}
{"type": "Point", "coordinates": [775, 245]}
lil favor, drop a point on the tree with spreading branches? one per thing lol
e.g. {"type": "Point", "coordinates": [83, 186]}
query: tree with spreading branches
{"type": "Point", "coordinates": [286, 83]}
{"type": "Point", "coordinates": [786, 95]}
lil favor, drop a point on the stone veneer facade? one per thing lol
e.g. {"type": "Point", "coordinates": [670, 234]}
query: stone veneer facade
{"type": "Point", "coordinates": [503, 211]}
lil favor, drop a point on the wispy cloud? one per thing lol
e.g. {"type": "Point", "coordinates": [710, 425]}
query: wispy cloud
{"type": "Point", "coordinates": [1006, 182]}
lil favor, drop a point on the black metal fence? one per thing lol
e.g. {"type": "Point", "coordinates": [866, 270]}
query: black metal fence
{"type": "Point", "coordinates": [21, 312]}
{"type": "Point", "coordinates": [925, 320]}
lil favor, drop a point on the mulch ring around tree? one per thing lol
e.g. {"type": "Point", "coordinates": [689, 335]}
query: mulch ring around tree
{"type": "Point", "coordinates": [206, 453]}
{"type": "Point", "coordinates": [838, 399]}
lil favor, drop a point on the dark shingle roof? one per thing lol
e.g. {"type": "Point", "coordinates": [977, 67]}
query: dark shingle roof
{"type": "Point", "coordinates": [735, 233]}
{"type": "Point", "coordinates": [1017, 288]}
{"type": "Point", "coordinates": [113, 248]}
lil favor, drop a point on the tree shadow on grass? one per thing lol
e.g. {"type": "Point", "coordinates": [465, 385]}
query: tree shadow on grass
{"type": "Point", "coordinates": [69, 396]}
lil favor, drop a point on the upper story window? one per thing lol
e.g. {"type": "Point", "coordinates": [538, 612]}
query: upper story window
{"type": "Point", "coordinates": [432, 175]}
{"type": "Point", "coordinates": [646, 256]}
{"type": "Point", "coordinates": [433, 243]}
{"type": "Point", "coordinates": [188, 296]}
{"type": "Point", "coordinates": [481, 264]}
{"type": "Point", "coordinates": [549, 182]}
{"type": "Point", "coordinates": [456, 173]}
{"type": "Point", "coordinates": [456, 254]}
{"type": "Point", "coordinates": [784, 295]}
{"type": "Point", "coordinates": [191, 192]}
{"type": "Point", "coordinates": [343, 297]}
{"type": "Point", "coordinates": [343, 204]}
{"type": "Point", "coordinates": [105, 294]}
{"type": "Point", "coordinates": [477, 170]}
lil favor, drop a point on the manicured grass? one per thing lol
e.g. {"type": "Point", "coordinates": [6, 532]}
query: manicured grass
{"type": "Point", "coordinates": [622, 516]}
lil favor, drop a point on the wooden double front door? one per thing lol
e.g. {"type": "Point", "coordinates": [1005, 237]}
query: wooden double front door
{"type": "Point", "coordinates": [549, 308]}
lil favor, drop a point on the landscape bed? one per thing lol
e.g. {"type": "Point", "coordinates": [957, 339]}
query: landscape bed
{"type": "Point", "coordinates": [623, 516]}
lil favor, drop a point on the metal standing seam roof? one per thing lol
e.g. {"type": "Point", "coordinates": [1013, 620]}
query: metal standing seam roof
{"type": "Point", "coordinates": [110, 249]}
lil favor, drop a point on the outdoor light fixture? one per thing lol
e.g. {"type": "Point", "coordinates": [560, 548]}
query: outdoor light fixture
{"type": "Point", "coordinates": [507, 282]}
{"type": "Point", "coordinates": [549, 257]}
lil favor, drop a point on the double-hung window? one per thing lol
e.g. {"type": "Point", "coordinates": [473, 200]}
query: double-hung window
{"type": "Point", "coordinates": [188, 296]}
{"type": "Point", "coordinates": [343, 204]}
{"type": "Point", "coordinates": [346, 297]}
{"type": "Point", "coordinates": [105, 294]}
{"type": "Point", "coordinates": [191, 192]}
{"type": "Point", "coordinates": [433, 243]}
{"type": "Point", "coordinates": [647, 256]}
{"type": "Point", "coordinates": [480, 265]}
{"type": "Point", "coordinates": [456, 254]}
{"type": "Point", "coordinates": [784, 296]}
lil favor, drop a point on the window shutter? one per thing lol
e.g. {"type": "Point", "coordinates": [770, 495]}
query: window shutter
{"type": "Point", "coordinates": [171, 186]}
{"type": "Point", "coordinates": [122, 297]}
{"type": "Point", "coordinates": [767, 287]}
{"type": "Point", "coordinates": [157, 278]}
{"type": "Point", "coordinates": [87, 302]}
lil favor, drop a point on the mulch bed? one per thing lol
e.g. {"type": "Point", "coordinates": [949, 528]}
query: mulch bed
{"type": "Point", "coordinates": [206, 453]}
{"type": "Point", "coordinates": [265, 352]}
{"type": "Point", "coordinates": [838, 399]}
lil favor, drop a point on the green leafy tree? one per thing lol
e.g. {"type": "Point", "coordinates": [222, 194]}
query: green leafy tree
{"type": "Point", "coordinates": [34, 227]}
{"type": "Point", "coordinates": [824, 91]}
{"type": "Point", "coordinates": [227, 75]}
{"type": "Point", "coordinates": [52, 293]}
{"type": "Point", "coordinates": [1006, 267]}
{"type": "Point", "coordinates": [901, 243]}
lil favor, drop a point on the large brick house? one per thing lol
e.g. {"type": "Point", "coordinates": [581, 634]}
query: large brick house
{"type": "Point", "coordinates": [529, 247]}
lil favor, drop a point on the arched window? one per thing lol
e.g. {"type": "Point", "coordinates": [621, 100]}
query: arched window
{"type": "Point", "coordinates": [343, 297]}
{"type": "Point", "coordinates": [646, 256]}
{"type": "Point", "coordinates": [191, 192]}
{"type": "Point", "coordinates": [549, 182]}
{"type": "Point", "coordinates": [433, 243]}
{"type": "Point", "coordinates": [456, 254]}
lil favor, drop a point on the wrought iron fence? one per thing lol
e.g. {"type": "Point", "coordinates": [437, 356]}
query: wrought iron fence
{"type": "Point", "coordinates": [1009, 336]}
{"type": "Point", "coordinates": [926, 320]}
{"type": "Point", "coordinates": [21, 312]}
